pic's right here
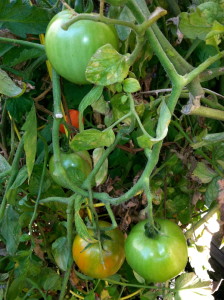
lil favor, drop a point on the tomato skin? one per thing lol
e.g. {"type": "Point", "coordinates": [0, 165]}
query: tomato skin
{"type": "Point", "coordinates": [157, 259]}
{"type": "Point", "coordinates": [74, 117]}
{"type": "Point", "coordinates": [76, 168]}
{"type": "Point", "coordinates": [69, 51]}
{"type": "Point", "coordinates": [89, 261]}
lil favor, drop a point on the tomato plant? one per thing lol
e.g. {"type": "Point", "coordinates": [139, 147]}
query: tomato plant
{"type": "Point", "coordinates": [76, 165]}
{"type": "Point", "coordinates": [73, 117]}
{"type": "Point", "coordinates": [158, 258]}
{"type": "Point", "coordinates": [70, 50]}
{"type": "Point", "coordinates": [89, 259]}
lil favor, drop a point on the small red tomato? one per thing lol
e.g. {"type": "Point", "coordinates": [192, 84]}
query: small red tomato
{"type": "Point", "coordinates": [74, 117]}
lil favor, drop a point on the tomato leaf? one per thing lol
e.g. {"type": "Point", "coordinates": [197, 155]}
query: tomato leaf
{"type": "Point", "coordinates": [123, 31]}
{"type": "Point", "coordinates": [191, 287]}
{"type": "Point", "coordinates": [7, 86]}
{"type": "Point", "coordinates": [101, 175]}
{"type": "Point", "coordinates": [92, 138]}
{"type": "Point", "coordinates": [4, 165]}
{"type": "Point", "coordinates": [19, 106]}
{"type": "Point", "coordinates": [146, 141]}
{"type": "Point", "coordinates": [203, 172]}
{"type": "Point", "coordinates": [30, 139]}
{"type": "Point", "coordinates": [20, 178]}
{"type": "Point", "coordinates": [107, 66]}
{"type": "Point", "coordinates": [21, 18]}
{"type": "Point", "coordinates": [93, 95]}
{"type": "Point", "coordinates": [10, 230]}
{"type": "Point", "coordinates": [212, 191]}
{"type": "Point", "coordinates": [60, 252]}
{"type": "Point", "coordinates": [101, 106]}
{"type": "Point", "coordinates": [120, 107]}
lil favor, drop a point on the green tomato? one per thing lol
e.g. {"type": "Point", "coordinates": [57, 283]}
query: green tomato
{"type": "Point", "coordinates": [88, 256]}
{"type": "Point", "coordinates": [159, 258]}
{"type": "Point", "coordinates": [69, 51]}
{"type": "Point", "coordinates": [74, 165]}
{"type": "Point", "coordinates": [116, 2]}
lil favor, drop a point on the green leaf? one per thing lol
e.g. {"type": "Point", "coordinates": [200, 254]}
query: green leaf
{"type": "Point", "coordinates": [22, 18]}
{"type": "Point", "coordinates": [18, 107]}
{"type": "Point", "coordinates": [34, 182]}
{"type": "Point", "coordinates": [60, 252]}
{"type": "Point", "coordinates": [204, 173]}
{"type": "Point", "coordinates": [20, 178]}
{"type": "Point", "coordinates": [30, 139]}
{"type": "Point", "coordinates": [120, 107]}
{"type": "Point", "coordinates": [212, 11]}
{"type": "Point", "coordinates": [163, 122]}
{"type": "Point", "coordinates": [107, 66]}
{"type": "Point", "coordinates": [191, 287]}
{"type": "Point", "coordinates": [18, 55]}
{"type": "Point", "coordinates": [92, 138]}
{"type": "Point", "coordinates": [10, 230]}
{"type": "Point", "coordinates": [15, 288]}
{"type": "Point", "coordinates": [123, 31]}
{"type": "Point", "coordinates": [93, 95]}
{"type": "Point", "coordinates": [81, 228]}
{"type": "Point", "coordinates": [101, 175]}
{"type": "Point", "coordinates": [101, 106]}
{"type": "Point", "coordinates": [214, 36]}
{"type": "Point", "coordinates": [4, 165]}
{"type": "Point", "coordinates": [212, 191]}
{"type": "Point", "coordinates": [131, 85]}
{"type": "Point", "coordinates": [7, 86]}
{"type": "Point", "coordinates": [146, 141]}
{"type": "Point", "coordinates": [52, 283]}
{"type": "Point", "coordinates": [194, 25]}
{"type": "Point", "coordinates": [90, 296]}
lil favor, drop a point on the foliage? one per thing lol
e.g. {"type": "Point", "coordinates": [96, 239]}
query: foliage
{"type": "Point", "coordinates": [148, 142]}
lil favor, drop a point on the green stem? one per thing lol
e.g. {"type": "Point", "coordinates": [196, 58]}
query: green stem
{"type": "Point", "coordinates": [212, 104]}
{"type": "Point", "coordinates": [70, 218]}
{"type": "Point", "coordinates": [154, 16]}
{"type": "Point", "coordinates": [140, 41]}
{"type": "Point", "coordinates": [203, 66]}
{"type": "Point", "coordinates": [207, 112]}
{"type": "Point", "coordinates": [24, 43]}
{"type": "Point", "coordinates": [211, 73]}
{"type": "Point", "coordinates": [155, 44]}
{"type": "Point", "coordinates": [100, 18]}
{"type": "Point", "coordinates": [14, 172]}
{"type": "Point", "coordinates": [57, 115]}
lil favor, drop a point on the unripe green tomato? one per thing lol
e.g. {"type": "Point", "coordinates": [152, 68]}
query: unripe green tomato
{"type": "Point", "coordinates": [76, 168]}
{"type": "Point", "coordinates": [159, 258]}
{"type": "Point", "coordinates": [69, 51]}
{"type": "Point", "coordinates": [116, 2]}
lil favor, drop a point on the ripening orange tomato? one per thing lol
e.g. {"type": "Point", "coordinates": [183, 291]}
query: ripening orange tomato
{"type": "Point", "coordinates": [74, 117]}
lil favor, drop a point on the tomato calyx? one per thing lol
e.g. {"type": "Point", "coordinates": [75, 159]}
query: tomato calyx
{"type": "Point", "coordinates": [152, 230]}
